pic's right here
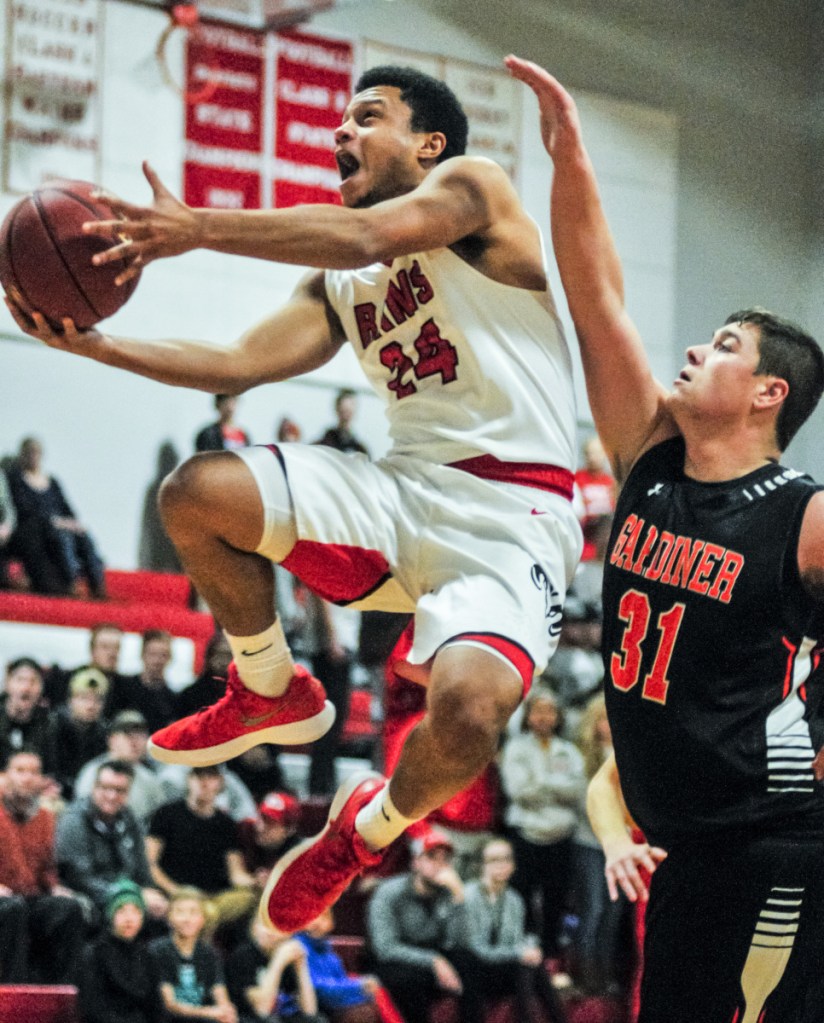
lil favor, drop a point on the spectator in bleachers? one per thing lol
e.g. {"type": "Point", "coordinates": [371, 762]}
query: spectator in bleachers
{"type": "Point", "coordinates": [56, 549]}
{"type": "Point", "coordinates": [126, 741]}
{"type": "Point", "coordinates": [40, 920]}
{"type": "Point", "coordinates": [116, 980]}
{"type": "Point", "coordinates": [8, 520]}
{"type": "Point", "coordinates": [599, 918]}
{"type": "Point", "coordinates": [288, 431]}
{"type": "Point", "coordinates": [149, 692]}
{"type": "Point", "coordinates": [340, 436]}
{"type": "Point", "coordinates": [105, 640]}
{"type": "Point", "coordinates": [413, 926]}
{"type": "Point", "coordinates": [187, 969]}
{"type": "Point", "coordinates": [210, 684]}
{"type": "Point", "coordinates": [155, 551]}
{"type": "Point", "coordinates": [234, 797]}
{"type": "Point", "coordinates": [498, 956]}
{"type": "Point", "coordinates": [270, 834]}
{"type": "Point", "coordinates": [224, 434]}
{"type": "Point", "coordinates": [192, 843]}
{"type": "Point", "coordinates": [342, 998]}
{"type": "Point", "coordinates": [100, 841]}
{"type": "Point", "coordinates": [24, 720]}
{"type": "Point", "coordinates": [595, 493]}
{"type": "Point", "coordinates": [543, 779]}
{"type": "Point", "coordinates": [77, 732]}
{"type": "Point", "coordinates": [268, 979]}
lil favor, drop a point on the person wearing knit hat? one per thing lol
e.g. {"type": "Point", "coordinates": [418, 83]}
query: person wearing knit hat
{"type": "Point", "coordinates": [124, 892]}
{"type": "Point", "coordinates": [116, 979]}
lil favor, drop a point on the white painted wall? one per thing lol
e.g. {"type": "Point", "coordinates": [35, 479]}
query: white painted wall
{"type": "Point", "coordinates": [102, 428]}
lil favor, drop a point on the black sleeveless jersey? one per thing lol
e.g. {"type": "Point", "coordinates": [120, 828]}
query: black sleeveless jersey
{"type": "Point", "coordinates": [712, 650]}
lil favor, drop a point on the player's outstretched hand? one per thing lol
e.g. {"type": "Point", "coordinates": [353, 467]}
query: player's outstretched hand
{"type": "Point", "coordinates": [142, 233]}
{"type": "Point", "coordinates": [560, 126]}
{"type": "Point", "coordinates": [623, 858]}
{"type": "Point", "coordinates": [35, 324]}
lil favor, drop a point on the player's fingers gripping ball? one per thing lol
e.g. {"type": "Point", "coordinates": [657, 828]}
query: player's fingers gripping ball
{"type": "Point", "coordinates": [46, 258]}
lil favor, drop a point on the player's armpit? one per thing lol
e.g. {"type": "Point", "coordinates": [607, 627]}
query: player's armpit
{"type": "Point", "coordinates": [301, 336]}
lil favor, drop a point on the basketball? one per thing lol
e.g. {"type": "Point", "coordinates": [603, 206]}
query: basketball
{"type": "Point", "coordinates": [46, 256]}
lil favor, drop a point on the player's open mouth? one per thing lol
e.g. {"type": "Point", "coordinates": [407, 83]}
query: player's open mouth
{"type": "Point", "coordinates": [347, 165]}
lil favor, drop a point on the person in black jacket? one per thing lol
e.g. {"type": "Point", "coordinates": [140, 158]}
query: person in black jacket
{"type": "Point", "coordinates": [116, 980]}
{"type": "Point", "coordinates": [225, 434]}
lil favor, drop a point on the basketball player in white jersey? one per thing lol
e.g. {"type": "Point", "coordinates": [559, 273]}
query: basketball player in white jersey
{"type": "Point", "coordinates": [436, 276]}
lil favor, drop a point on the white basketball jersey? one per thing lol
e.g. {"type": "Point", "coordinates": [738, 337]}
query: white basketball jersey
{"type": "Point", "coordinates": [467, 366]}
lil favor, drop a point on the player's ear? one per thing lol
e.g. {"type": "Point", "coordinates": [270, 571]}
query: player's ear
{"type": "Point", "coordinates": [772, 391]}
{"type": "Point", "coordinates": [432, 145]}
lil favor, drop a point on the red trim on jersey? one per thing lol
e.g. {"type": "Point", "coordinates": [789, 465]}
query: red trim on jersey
{"type": "Point", "coordinates": [788, 674]}
{"type": "Point", "coordinates": [337, 572]}
{"type": "Point", "coordinates": [516, 655]}
{"type": "Point", "coordinates": [526, 474]}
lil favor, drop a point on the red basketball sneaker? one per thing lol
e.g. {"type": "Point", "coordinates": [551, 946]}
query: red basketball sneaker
{"type": "Point", "coordinates": [315, 874]}
{"type": "Point", "coordinates": [241, 719]}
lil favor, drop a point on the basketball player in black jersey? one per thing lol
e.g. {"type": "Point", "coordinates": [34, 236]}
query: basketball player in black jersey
{"type": "Point", "coordinates": [713, 626]}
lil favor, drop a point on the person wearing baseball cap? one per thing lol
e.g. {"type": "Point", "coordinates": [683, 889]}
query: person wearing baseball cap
{"type": "Point", "coordinates": [413, 922]}
{"type": "Point", "coordinates": [273, 832]}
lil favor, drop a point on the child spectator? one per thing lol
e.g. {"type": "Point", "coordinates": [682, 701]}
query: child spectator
{"type": "Point", "coordinates": [268, 979]}
{"type": "Point", "coordinates": [187, 970]}
{"type": "Point", "coordinates": [116, 982]}
{"type": "Point", "coordinates": [344, 999]}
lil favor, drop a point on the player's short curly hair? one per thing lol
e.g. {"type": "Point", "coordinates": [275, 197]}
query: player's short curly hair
{"type": "Point", "coordinates": [788, 352]}
{"type": "Point", "coordinates": [434, 106]}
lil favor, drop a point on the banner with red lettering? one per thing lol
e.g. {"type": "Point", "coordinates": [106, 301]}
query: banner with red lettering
{"type": "Point", "coordinates": [225, 85]}
{"type": "Point", "coordinates": [314, 84]}
{"type": "Point", "coordinates": [260, 117]}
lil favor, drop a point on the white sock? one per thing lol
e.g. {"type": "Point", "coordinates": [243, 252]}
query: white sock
{"type": "Point", "coordinates": [264, 662]}
{"type": "Point", "coordinates": [379, 822]}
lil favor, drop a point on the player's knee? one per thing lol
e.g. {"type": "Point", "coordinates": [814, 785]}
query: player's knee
{"type": "Point", "coordinates": [467, 718]}
{"type": "Point", "coordinates": [186, 495]}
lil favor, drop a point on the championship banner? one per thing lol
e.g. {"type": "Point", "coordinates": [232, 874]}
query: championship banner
{"type": "Point", "coordinates": [313, 78]}
{"type": "Point", "coordinates": [225, 89]}
{"type": "Point", "coordinates": [52, 105]}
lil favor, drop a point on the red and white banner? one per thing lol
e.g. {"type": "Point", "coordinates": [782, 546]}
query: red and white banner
{"type": "Point", "coordinates": [225, 85]}
{"type": "Point", "coordinates": [261, 117]}
{"type": "Point", "coordinates": [52, 108]}
{"type": "Point", "coordinates": [314, 84]}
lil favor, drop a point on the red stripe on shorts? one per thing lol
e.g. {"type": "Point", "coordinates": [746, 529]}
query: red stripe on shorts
{"type": "Point", "coordinates": [337, 572]}
{"type": "Point", "coordinates": [526, 474]}
{"type": "Point", "coordinates": [516, 655]}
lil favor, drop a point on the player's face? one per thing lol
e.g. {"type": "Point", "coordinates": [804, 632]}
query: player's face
{"type": "Point", "coordinates": [376, 149]}
{"type": "Point", "coordinates": [719, 380]}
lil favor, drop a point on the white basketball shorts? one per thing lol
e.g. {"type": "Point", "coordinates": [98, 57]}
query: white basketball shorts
{"type": "Point", "coordinates": [473, 557]}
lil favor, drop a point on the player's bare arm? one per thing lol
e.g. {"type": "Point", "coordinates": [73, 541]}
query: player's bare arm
{"type": "Point", "coordinates": [301, 336]}
{"type": "Point", "coordinates": [811, 548]}
{"type": "Point", "coordinates": [628, 404]}
{"type": "Point", "coordinates": [609, 818]}
{"type": "Point", "coordinates": [461, 198]}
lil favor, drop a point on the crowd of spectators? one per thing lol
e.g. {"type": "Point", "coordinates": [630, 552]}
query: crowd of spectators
{"type": "Point", "coordinates": [160, 867]}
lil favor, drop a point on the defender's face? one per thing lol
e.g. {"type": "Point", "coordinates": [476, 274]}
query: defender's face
{"type": "Point", "coordinates": [376, 149]}
{"type": "Point", "coordinates": [719, 379]}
